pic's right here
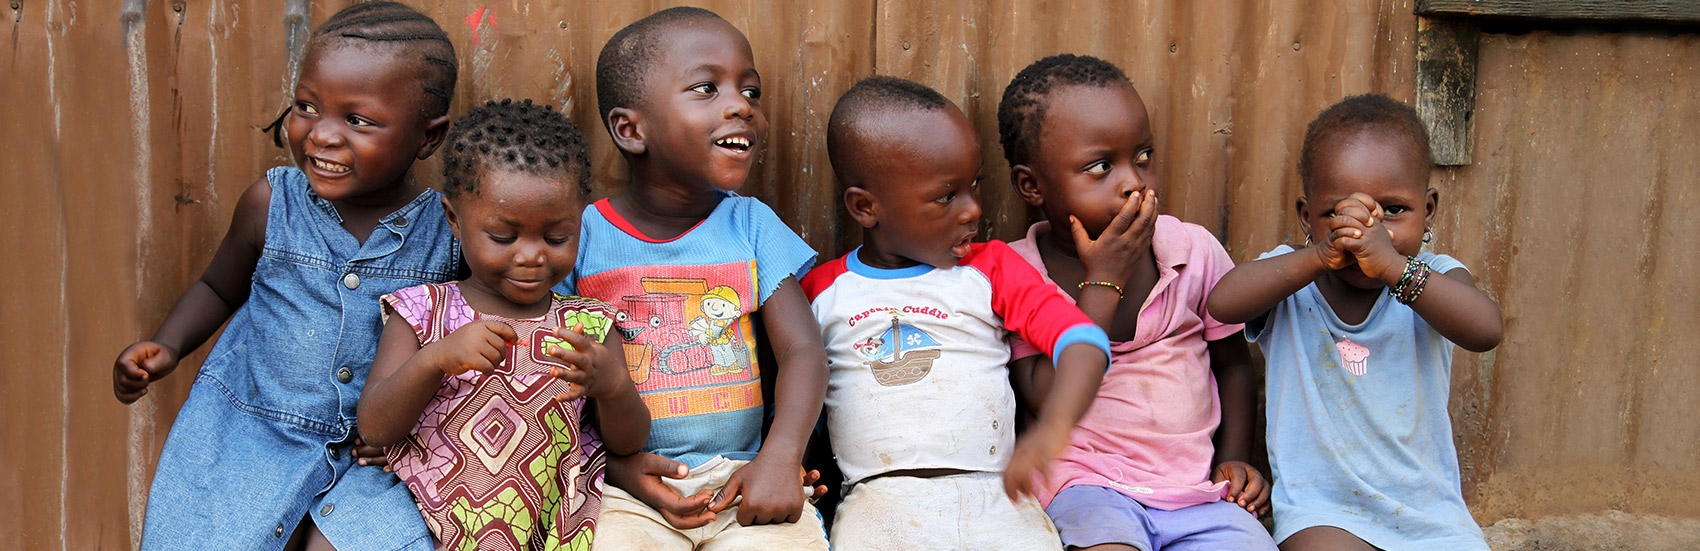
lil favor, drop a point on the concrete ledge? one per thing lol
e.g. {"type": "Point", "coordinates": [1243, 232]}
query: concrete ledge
{"type": "Point", "coordinates": [1608, 531]}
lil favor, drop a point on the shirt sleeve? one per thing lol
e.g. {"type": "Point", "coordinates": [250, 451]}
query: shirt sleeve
{"type": "Point", "coordinates": [1030, 307]}
{"type": "Point", "coordinates": [413, 304]}
{"type": "Point", "coordinates": [779, 252]}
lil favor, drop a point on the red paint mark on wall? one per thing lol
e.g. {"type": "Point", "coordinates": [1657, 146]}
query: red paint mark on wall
{"type": "Point", "coordinates": [477, 18]}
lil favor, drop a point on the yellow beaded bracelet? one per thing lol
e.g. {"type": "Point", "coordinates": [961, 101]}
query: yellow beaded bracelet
{"type": "Point", "coordinates": [1118, 288]}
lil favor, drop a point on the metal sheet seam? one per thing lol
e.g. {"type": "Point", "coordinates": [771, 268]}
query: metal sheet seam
{"type": "Point", "coordinates": [140, 416]}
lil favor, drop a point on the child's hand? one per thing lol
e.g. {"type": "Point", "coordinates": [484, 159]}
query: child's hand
{"type": "Point", "coordinates": [138, 365]}
{"type": "Point", "coordinates": [369, 455]}
{"type": "Point", "coordinates": [1246, 486]}
{"type": "Point", "coordinates": [809, 480]}
{"type": "Point", "coordinates": [1353, 216]}
{"type": "Point", "coordinates": [640, 475]}
{"type": "Point", "coordinates": [1123, 245]}
{"type": "Point", "coordinates": [1033, 454]}
{"type": "Point", "coordinates": [598, 373]}
{"type": "Point", "coordinates": [770, 495]}
{"type": "Point", "coordinates": [1370, 246]}
{"type": "Point", "coordinates": [478, 346]}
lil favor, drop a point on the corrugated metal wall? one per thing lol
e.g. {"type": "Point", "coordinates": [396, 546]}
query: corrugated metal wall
{"type": "Point", "coordinates": [128, 129]}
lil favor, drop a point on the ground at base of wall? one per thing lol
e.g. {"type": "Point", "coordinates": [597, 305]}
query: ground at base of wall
{"type": "Point", "coordinates": [1608, 531]}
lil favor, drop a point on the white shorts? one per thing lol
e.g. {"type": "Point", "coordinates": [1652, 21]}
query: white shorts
{"type": "Point", "coordinates": [627, 523]}
{"type": "Point", "coordinates": [964, 511]}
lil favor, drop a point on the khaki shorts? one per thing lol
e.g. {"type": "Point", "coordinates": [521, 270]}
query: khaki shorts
{"type": "Point", "coordinates": [965, 511]}
{"type": "Point", "coordinates": [628, 524]}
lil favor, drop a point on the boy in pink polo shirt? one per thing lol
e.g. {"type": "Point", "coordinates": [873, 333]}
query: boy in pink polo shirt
{"type": "Point", "coordinates": [1161, 460]}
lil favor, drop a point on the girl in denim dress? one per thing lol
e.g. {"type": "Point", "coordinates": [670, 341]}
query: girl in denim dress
{"type": "Point", "coordinates": [266, 442]}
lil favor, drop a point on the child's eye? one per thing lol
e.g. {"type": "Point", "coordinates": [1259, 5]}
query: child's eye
{"type": "Point", "coordinates": [706, 88]}
{"type": "Point", "coordinates": [752, 93]}
{"type": "Point", "coordinates": [946, 199]}
{"type": "Point", "coordinates": [1098, 168]}
{"type": "Point", "coordinates": [1395, 210]}
{"type": "Point", "coordinates": [1143, 158]}
{"type": "Point", "coordinates": [558, 240]}
{"type": "Point", "coordinates": [356, 120]}
{"type": "Point", "coordinates": [306, 108]}
{"type": "Point", "coordinates": [501, 239]}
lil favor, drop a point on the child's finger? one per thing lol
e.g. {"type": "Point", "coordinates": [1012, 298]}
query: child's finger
{"type": "Point", "coordinates": [502, 331]}
{"type": "Point", "coordinates": [1081, 238]}
{"type": "Point", "coordinates": [1130, 215]}
{"type": "Point", "coordinates": [655, 465]}
{"type": "Point", "coordinates": [1147, 209]}
{"type": "Point", "coordinates": [724, 497]}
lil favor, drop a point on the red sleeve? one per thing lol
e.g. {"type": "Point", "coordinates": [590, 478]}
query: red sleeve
{"type": "Point", "coordinates": [1032, 308]}
{"type": "Point", "coordinates": [818, 279]}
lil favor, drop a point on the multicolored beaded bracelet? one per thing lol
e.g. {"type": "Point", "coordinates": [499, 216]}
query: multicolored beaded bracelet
{"type": "Point", "coordinates": [1412, 282]}
{"type": "Point", "coordinates": [1118, 288]}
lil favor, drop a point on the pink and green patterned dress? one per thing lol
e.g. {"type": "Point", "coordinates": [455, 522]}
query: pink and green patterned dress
{"type": "Point", "coordinates": [495, 462]}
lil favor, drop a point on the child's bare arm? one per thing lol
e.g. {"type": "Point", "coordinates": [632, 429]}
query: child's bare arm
{"type": "Point", "coordinates": [620, 413]}
{"type": "Point", "coordinates": [1456, 309]}
{"type": "Point", "coordinates": [1237, 382]}
{"type": "Point", "coordinates": [405, 376]}
{"type": "Point", "coordinates": [772, 493]}
{"type": "Point", "coordinates": [206, 305]}
{"type": "Point", "coordinates": [1078, 375]}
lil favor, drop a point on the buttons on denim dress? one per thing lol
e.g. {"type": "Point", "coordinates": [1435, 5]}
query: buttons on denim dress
{"type": "Point", "coordinates": [400, 222]}
{"type": "Point", "coordinates": [344, 375]}
{"type": "Point", "coordinates": [351, 281]}
{"type": "Point", "coordinates": [278, 532]}
{"type": "Point", "coordinates": [326, 510]}
{"type": "Point", "coordinates": [335, 454]}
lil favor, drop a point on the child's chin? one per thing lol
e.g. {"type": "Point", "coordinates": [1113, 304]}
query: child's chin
{"type": "Point", "coordinates": [1356, 278]}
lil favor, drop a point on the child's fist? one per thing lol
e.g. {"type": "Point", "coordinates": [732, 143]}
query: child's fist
{"type": "Point", "coordinates": [478, 346]}
{"type": "Point", "coordinates": [138, 365]}
{"type": "Point", "coordinates": [1246, 486]}
{"type": "Point", "coordinates": [1032, 457]}
{"type": "Point", "coordinates": [597, 369]}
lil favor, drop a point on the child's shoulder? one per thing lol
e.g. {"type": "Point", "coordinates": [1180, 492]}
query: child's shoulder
{"type": "Point", "coordinates": [1179, 235]}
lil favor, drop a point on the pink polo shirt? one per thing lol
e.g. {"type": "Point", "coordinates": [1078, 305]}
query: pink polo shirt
{"type": "Point", "coordinates": [1148, 433]}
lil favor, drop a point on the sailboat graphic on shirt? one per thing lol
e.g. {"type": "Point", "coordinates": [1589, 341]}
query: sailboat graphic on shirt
{"type": "Point", "coordinates": [903, 354]}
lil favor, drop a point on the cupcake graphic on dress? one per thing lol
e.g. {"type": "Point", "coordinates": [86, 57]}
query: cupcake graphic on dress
{"type": "Point", "coordinates": [1354, 356]}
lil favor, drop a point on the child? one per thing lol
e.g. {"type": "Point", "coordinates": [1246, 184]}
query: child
{"type": "Point", "coordinates": [1143, 472]}
{"type": "Point", "coordinates": [1358, 328]}
{"type": "Point", "coordinates": [919, 407]}
{"type": "Point", "coordinates": [268, 434]}
{"type": "Point", "coordinates": [688, 263]}
{"type": "Point", "coordinates": [500, 457]}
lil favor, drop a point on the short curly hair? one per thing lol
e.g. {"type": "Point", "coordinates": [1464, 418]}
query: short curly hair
{"type": "Point", "coordinates": [510, 135]}
{"type": "Point", "coordinates": [1356, 115]}
{"type": "Point", "coordinates": [622, 69]}
{"type": "Point", "coordinates": [1022, 109]}
{"type": "Point", "coordinates": [870, 96]}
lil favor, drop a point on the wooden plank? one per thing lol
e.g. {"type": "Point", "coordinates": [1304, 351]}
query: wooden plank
{"type": "Point", "coordinates": [1446, 85]}
{"type": "Point", "coordinates": [1683, 12]}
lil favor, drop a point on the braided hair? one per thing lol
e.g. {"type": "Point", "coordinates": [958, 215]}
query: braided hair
{"type": "Point", "coordinates": [1022, 109]}
{"type": "Point", "coordinates": [396, 25]}
{"type": "Point", "coordinates": [1367, 113]}
{"type": "Point", "coordinates": [623, 67]}
{"type": "Point", "coordinates": [519, 136]}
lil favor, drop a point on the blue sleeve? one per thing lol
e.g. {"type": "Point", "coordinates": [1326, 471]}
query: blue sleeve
{"type": "Point", "coordinates": [779, 252]}
{"type": "Point", "coordinates": [1088, 334]}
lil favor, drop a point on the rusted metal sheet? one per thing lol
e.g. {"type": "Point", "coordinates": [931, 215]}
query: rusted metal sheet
{"type": "Point", "coordinates": [130, 129]}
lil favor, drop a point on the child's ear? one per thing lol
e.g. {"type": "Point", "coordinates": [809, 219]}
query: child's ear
{"type": "Point", "coordinates": [449, 213]}
{"type": "Point", "coordinates": [1431, 205]}
{"type": "Point", "coordinates": [435, 130]}
{"type": "Point", "coordinates": [863, 206]}
{"type": "Point", "coordinates": [1026, 185]}
{"type": "Point", "coordinates": [1302, 206]}
{"type": "Point", "coordinates": [623, 125]}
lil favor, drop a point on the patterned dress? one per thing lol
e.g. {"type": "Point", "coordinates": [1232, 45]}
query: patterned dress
{"type": "Point", "coordinates": [495, 462]}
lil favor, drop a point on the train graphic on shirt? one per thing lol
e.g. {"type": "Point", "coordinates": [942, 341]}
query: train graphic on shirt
{"type": "Point", "coordinates": [901, 355]}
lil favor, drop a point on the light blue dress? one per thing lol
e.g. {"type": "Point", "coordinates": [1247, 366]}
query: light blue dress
{"type": "Point", "coordinates": [264, 437]}
{"type": "Point", "coordinates": [1359, 436]}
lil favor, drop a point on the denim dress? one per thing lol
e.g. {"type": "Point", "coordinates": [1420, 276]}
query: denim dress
{"type": "Point", "coordinates": [265, 435]}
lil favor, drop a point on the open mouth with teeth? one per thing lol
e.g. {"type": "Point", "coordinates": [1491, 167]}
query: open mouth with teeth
{"type": "Point", "coordinates": [737, 144]}
{"type": "Point", "coordinates": [330, 166]}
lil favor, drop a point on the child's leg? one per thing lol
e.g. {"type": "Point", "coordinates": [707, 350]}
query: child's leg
{"type": "Point", "coordinates": [307, 537]}
{"type": "Point", "coordinates": [1095, 517]}
{"type": "Point", "coordinates": [1324, 538]}
{"type": "Point", "coordinates": [1210, 526]}
{"type": "Point", "coordinates": [725, 534]}
{"type": "Point", "coordinates": [627, 523]}
{"type": "Point", "coordinates": [968, 511]}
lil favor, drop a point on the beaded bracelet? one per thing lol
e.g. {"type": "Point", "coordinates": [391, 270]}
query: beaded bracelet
{"type": "Point", "coordinates": [1118, 288]}
{"type": "Point", "coordinates": [1411, 282]}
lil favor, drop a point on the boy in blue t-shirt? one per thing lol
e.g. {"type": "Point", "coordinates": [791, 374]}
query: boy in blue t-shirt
{"type": "Point", "coordinates": [687, 262]}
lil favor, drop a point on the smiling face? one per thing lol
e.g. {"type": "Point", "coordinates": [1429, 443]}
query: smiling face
{"type": "Point", "coordinates": [924, 183]}
{"type": "Point", "coordinates": [1383, 167]}
{"type": "Point", "coordinates": [357, 124]}
{"type": "Point", "coordinates": [519, 232]}
{"type": "Point", "coordinates": [701, 120]}
{"type": "Point", "coordinates": [1095, 150]}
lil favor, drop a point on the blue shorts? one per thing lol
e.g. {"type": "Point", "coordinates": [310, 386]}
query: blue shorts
{"type": "Point", "coordinates": [1094, 515]}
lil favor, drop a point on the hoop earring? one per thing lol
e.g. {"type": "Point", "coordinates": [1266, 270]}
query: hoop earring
{"type": "Point", "coordinates": [1307, 240]}
{"type": "Point", "coordinates": [1428, 235]}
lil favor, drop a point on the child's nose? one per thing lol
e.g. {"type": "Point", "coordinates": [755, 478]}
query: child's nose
{"type": "Point", "coordinates": [1129, 184]}
{"type": "Point", "coordinates": [740, 107]}
{"type": "Point", "coordinates": [325, 135]}
{"type": "Point", "coordinates": [529, 255]}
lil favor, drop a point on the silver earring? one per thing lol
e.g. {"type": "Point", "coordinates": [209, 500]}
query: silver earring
{"type": "Point", "coordinates": [1428, 235]}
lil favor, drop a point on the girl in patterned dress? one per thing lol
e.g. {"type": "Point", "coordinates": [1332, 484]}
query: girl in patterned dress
{"type": "Point", "coordinates": [494, 395]}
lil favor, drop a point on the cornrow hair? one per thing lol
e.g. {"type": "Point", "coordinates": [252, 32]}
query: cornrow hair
{"type": "Point", "coordinates": [392, 23]}
{"type": "Point", "coordinates": [870, 96]}
{"type": "Point", "coordinates": [1359, 114]}
{"type": "Point", "coordinates": [1021, 112]}
{"type": "Point", "coordinates": [623, 66]}
{"type": "Point", "coordinates": [519, 136]}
